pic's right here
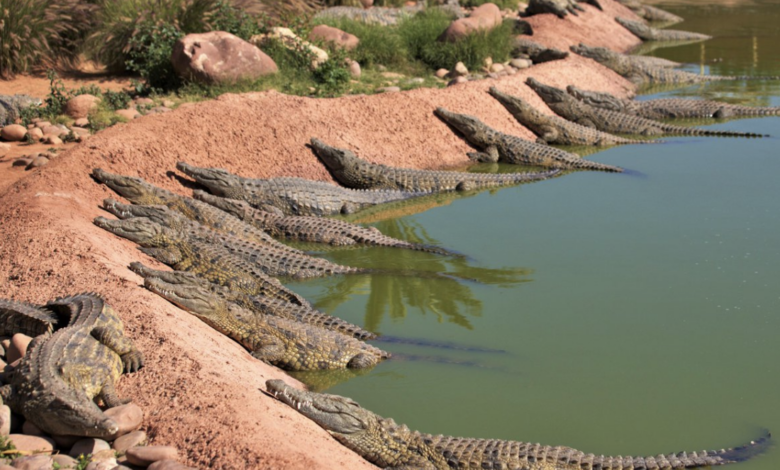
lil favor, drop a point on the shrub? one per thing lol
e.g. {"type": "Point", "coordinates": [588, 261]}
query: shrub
{"type": "Point", "coordinates": [237, 22]}
{"type": "Point", "coordinates": [423, 29]}
{"type": "Point", "coordinates": [502, 4]}
{"type": "Point", "coordinates": [149, 54]}
{"type": "Point", "coordinates": [333, 75]}
{"type": "Point", "coordinates": [33, 32]}
{"type": "Point", "coordinates": [471, 50]}
{"type": "Point", "coordinates": [378, 44]}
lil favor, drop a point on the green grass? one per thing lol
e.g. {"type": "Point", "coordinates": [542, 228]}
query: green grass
{"type": "Point", "coordinates": [501, 4]}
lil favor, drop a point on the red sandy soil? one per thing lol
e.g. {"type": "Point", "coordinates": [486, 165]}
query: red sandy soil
{"type": "Point", "coordinates": [201, 391]}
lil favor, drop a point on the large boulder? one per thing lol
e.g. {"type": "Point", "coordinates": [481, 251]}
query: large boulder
{"type": "Point", "coordinates": [484, 17]}
{"type": "Point", "coordinates": [13, 132]}
{"type": "Point", "coordinates": [336, 36]}
{"type": "Point", "coordinates": [219, 57]}
{"type": "Point", "coordinates": [79, 106]}
{"type": "Point", "coordinates": [293, 42]}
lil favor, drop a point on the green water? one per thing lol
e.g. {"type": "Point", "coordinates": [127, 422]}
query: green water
{"type": "Point", "coordinates": [618, 314]}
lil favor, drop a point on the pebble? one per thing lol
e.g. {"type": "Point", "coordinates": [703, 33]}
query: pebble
{"type": "Point", "coordinates": [34, 462]}
{"type": "Point", "coordinates": [389, 89]}
{"type": "Point", "coordinates": [22, 161]}
{"type": "Point", "coordinates": [31, 443]}
{"type": "Point", "coordinates": [159, 109]}
{"type": "Point", "coordinates": [168, 465]}
{"type": "Point", "coordinates": [79, 130]}
{"type": "Point", "coordinates": [128, 417]}
{"type": "Point", "coordinates": [42, 124]}
{"type": "Point", "coordinates": [65, 461]}
{"type": "Point", "coordinates": [103, 460]}
{"type": "Point", "coordinates": [38, 162]}
{"type": "Point", "coordinates": [354, 68]}
{"type": "Point", "coordinates": [5, 420]}
{"type": "Point", "coordinates": [441, 73]}
{"type": "Point", "coordinates": [35, 133]}
{"type": "Point", "coordinates": [460, 70]}
{"type": "Point", "coordinates": [81, 122]}
{"type": "Point", "coordinates": [4, 148]}
{"type": "Point", "coordinates": [13, 132]}
{"type": "Point", "coordinates": [520, 63]}
{"type": "Point", "coordinates": [149, 454]}
{"type": "Point", "coordinates": [30, 429]}
{"type": "Point", "coordinates": [129, 114]}
{"type": "Point", "coordinates": [52, 140]}
{"type": "Point", "coordinates": [416, 81]}
{"type": "Point", "coordinates": [19, 342]}
{"type": "Point", "coordinates": [457, 80]}
{"type": "Point", "coordinates": [496, 68]}
{"type": "Point", "coordinates": [88, 446]}
{"type": "Point", "coordinates": [144, 101]}
{"type": "Point", "coordinates": [129, 440]}
{"type": "Point", "coordinates": [493, 75]}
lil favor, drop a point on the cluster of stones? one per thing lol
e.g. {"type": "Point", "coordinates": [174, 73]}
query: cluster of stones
{"type": "Point", "coordinates": [39, 451]}
{"type": "Point", "coordinates": [79, 107]}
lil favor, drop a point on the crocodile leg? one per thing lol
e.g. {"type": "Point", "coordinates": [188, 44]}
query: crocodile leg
{"type": "Point", "coordinates": [170, 256]}
{"type": "Point", "coordinates": [488, 155]}
{"type": "Point", "coordinates": [110, 397]}
{"type": "Point", "coordinates": [362, 361]}
{"type": "Point", "coordinates": [268, 349]}
{"type": "Point", "coordinates": [112, 339]}
{"type": "Point", "coordinates": [549, 135]}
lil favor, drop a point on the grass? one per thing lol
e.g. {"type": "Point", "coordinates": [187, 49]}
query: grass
{"type": "Point", "coordinates": [501, 4]}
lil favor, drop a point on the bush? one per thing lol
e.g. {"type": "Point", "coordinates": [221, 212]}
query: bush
{"type": "Point", "coordinates": [502, 4]}
{"type": "Point", "coordinates": [333, 75]}
{"type": "Point", "coordinates": [471, 50]}
{"type": "Point", "coordinates": [149, 52]}
{"type": "Point", "coordinates": [33, 32]}
{"type": "Point", "coordinates": [378, 44]}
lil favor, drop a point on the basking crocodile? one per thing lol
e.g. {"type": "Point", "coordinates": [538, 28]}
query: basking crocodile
{"type": "Point", "coordinates": [497, 146]}
{"type": "Point", "coordinates": [552, 129]}
{"type": "Point", "coordinates": [354, 172]}
{"type": "Point", "coordinates": [651, 13]}
{"type": "Point", "coordinates": [574, 110]}
{"type": "Point", "coordinates": [641, 73]}
{"type": "Point", "coordinates": [139, 191]}
{"type": "Point", "coordinates": [559, 8]}
{"type": "Point", "coordinates": [310, 229]}
{"type": "Point", "coordinates": [293, 196]}
{"type": "Point", "coordinates": [648, 33]}
{"type": "Point", "coordinates": [213, 263]}
{"type": "Point", "coordinates": [394, 446]}
{"type": "Point", "coordinates": [535, 51]}
{"type": "Point", "coordinates": [11, 107]}
{"type": "Point", "coordinates": [56, 382]}
{"type": "Point", "coordinates": [269, 259]}
{"type": "Point", "coordinates": [284, 343]}
{"type": "Point", "coordinates": [665, 108]}
{"type": "Point", "coordinates": [28, 319]}
{"type": "Point", "coordinates": [268, 306]}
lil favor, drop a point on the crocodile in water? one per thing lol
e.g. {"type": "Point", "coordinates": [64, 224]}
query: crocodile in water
{"type": "Point", "coordinates": [212, 262]}
{"type": "Point", "coordinates": [269, 259]}
{"type": "Point", "coordinates": [56, 382]}
{"type": "Point", "coordinates": [395, 447]}
{"type": "Point", "coordinates": [293, 196]}
{"type": "Point", "coordinates": [552, 129]}
{"type": "Point", "coordinates": [574, 110]}
{"type": "Point", "coordinates": [308, 228]}
{"type": "Point", "coordinates": [354, 172]}
{"type": "Point", "coordinates": [665, 108]}
{"type": "Point", "coordinates": [279, 341]}
{"type": "Point", "coordinates": [25, 318]}
{"type": "Point", "coordinates": [648, 33]}
{"type": "Point", "coordinates": [559, 8]}
{"type": "Point", "coordinates": [497, 146]}
{"type": "Point", "coordinates": [641, 73]}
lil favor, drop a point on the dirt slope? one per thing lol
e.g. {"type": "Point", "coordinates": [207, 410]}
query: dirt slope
{"type": "Point", "coordinates": [200, 390]}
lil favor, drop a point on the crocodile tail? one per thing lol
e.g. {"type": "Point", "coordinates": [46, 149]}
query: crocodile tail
{"type": "Point", "coordinates": [582, 164]}
{"type": "Point", "coordinates": [741, 77]}
{"type": "Point", "coordinates": [709, 132]}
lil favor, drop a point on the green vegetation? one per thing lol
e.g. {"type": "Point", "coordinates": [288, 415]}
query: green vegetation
{"type": "Point", "coordinates": [502, 4]}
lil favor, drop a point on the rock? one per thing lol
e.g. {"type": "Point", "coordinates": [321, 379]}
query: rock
{"type": "Point", "coordinates": [129, 440]}
{"type": "Point", "coordinates": [147, 455]}
{"type": "Point", "coordinates": [6, 467]}
{"type": "Point", "coordinates": [129, 113]}
{"type": "Point", "coordinates": [31, 443]}
{"type": "Point", "coordinates": [496, 68]}
{"type": "Point", "coordinates": [484, 17]}
{"type": "Point", "coordinates": [88, 446]}
{"type": "Point", "coordinates": [13, 133]}
{"type": "Point", "coordinates": [128, 417]}
{"type": "Point", "coordinates": [367, 3]}
{"type": "Point", "coordinates": [103, 460]}
{"type": "Point", "coordinates": [5, 420]}
{"type": "Point", "coordinates": [18, 347]}
{"type": "Point", "coordinates": [52, 140]}
{"type": "Point", "coordinates": [103, 465]}
{"type": "Point", "coordinates": [4, 149]}
{"type": "Point", "coordinates": [81, 122]}
{"type": "Point", "coordinates": [168, 465]}
{"type": "Point", "coordinates": [30, 429]}
{"type": "Point", "coordinates": [354, 68]}
{"type": "Point", "coordinates": [53, 130]}
{"type": "Point", "coordinates": [42, 124]}
{"type": "Point", "coordinates": [5, 343]}
{"type": "Point", "coordinates": [79, 106]}
{"type": "Point", "coordinates": [144, 101]}
{"type": "Point", "coordinates": [79, 130]}
{"type": "Point", "coordinates": [460, 70]}
{"type": "Point", "coordinates": [291, 41]}
{"type": "Point", "coordinates": [23, 161]}
{"type": "Point", "coordinates": [335, 36]}
{"type": "Point", "coordinates": [159, 109]}
{"type": "Point", "coordinates": [35, 133]}
{"type": "Point", "coordinates": [441, 73]}
{"type": "Point", "coordinates": [493, 75]}
{"type": "Point", "coordinates": [65, 442]}
{"type": "Point", "coordinates": [168, 104]}
{"type": "Point", "coordinates": [34, 462]}
{"type": "Point", "coordinates": [520, 63]}
{"type": "Point", "coordinates": [389, 89]}
{"type": "Point", "coordinates": [65, 461]}
{"type": "Point", "coordinates": [416, 81]}
{"type": "Point", "coordinates": [219, 57]}
{"type": "Point", "coordinates": [457, 80]}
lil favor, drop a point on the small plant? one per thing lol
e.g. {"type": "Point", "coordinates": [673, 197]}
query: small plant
{"type": "Point", "coordinates": [83, 461]}
{"type": "Point", "coordinates": [116, 99]}
{"type": "Point", "coordinates": [333, 75]}
{"type": "Point", "coordinates": [149, 52]}
{"type": "Point", "coordinates": [7, 447]}
{"type": "Point", "coordinates": [228, 18]}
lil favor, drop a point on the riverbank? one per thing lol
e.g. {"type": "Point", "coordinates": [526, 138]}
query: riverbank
{"type": "Point", "coordinates": [199, 389]}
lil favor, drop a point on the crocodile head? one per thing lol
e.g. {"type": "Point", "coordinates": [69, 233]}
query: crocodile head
{"type": "Point", "coordinates": [472, 129]}
{"type": "Point", "coordinates": [516, 105]}
{"type": "Point", "coordinates": [603, 56]}
{"type": "Point", "coordinates": [139, 229]}
{"type": "Point", "coordinates": [549, 94]}
{"type": "Point", "coordinates": [218, 181]}
{"type": "Point", "coordinates": [339, 162]}
{"type": "Point", "coordinates": [158, 213]}
{"type": "Point", "coordinates": [636, 28]}
{"type": "Point", "coordinates": [70, 413]}
{"type": "Point", "coordinates": [343, 418]}
{"type": "Point", "coordinates": [593, 98]}
{"type": "Point", "coordinates": [135, 189]}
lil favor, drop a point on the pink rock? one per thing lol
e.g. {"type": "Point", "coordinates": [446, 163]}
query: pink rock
{"type": "Point", "coordinates": [484, 17]}
{"type": "Point", "coordinates": [5, 420]}
{"type": "Point", "coordinates": [168, 465]}
{"type": "Point", "coordinates": [128, 417]}
{"type": "Point", "coordinates": [219, 57]}
{"type": "Point", "coordinates": [64, 461]}
{"type": "Point", "coordinates": [334, 35]}
{"type": "Point", "coordinates": [52, 140]}
{"type": "Point", "coordinates": [31, 443]}
{"type": "Point", "coordinates": [53, 130]}
{"type": "Point", "coordinates": [36, 133]}
{"type": "Point", "coordinates": [88, 446]}
{"type": "Point", "coordinates": [80, 106]}
{"type": "Point", "coordinates": [18, 348]}
{"type": "Point", "coordinates": [144, 101]}
{"type": "Point", "coordinates": [13, 132]}
{"type": "Point", "coordinates": [34, 462]}
{"type": "Point", "coordinates": [4, 148]}
{"type": "Point", "coordinates": [81, 122]}
{"type": "Point", "coordinates": [147, 455]}
{"type": "Point", "coordinates": [129, 113]}
{"type": "Point", "coordinates": [129, 440]}
{"type": "Point", "coordinates": [41, 124]}
{"type": "Point", "coordinates": [354, 68]}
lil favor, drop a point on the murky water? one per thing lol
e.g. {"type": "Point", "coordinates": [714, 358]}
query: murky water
{"type": "Point", "coordinates": [618, 314]}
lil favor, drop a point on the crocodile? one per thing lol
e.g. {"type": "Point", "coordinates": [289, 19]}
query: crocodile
{"type": "Point", "coordinates": [268, 306]}
{"type": "Point", "coordinates": [574, 110]}
{"type": "Point", "coordinates": [212, 262]}
{"type": "Point", "coordinates": [284, 343]}
{"type": "Point", "coordinates": [56, 382]}
{"type": "Point", "coordinates": [641, 73]}
{"type": "Point", "coordinates": [394, 446]}
{"type": "Point", "coordinates": [310, 229]}
{"type": "Point", "coordinates": [552, 129]}
{"type": "Point", "coordinates": [559, 8]}
{"type": "Point", "coordinates": [648, 33]}
{"type": "Point", "coordinates": [535, 51]}
{"type": "Point", "coordinates": [651, 13]}
{"type": "Point", "coordinates": [25, 318]}
{"type": "Point", "coordinates": [139, 191]}
{"type": "Point", "coordinates": [293, 196]}
{"type": "Point", "coordinates": [11, 107]}
{"type": "Point", "coordinates": [665, 108]}
{"type": "Point", "coordinates": [270, 260]}
{"type": "Point", "coordinates": [497, 146]}
{"type": "Point", "coordinates": [352, 171]}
